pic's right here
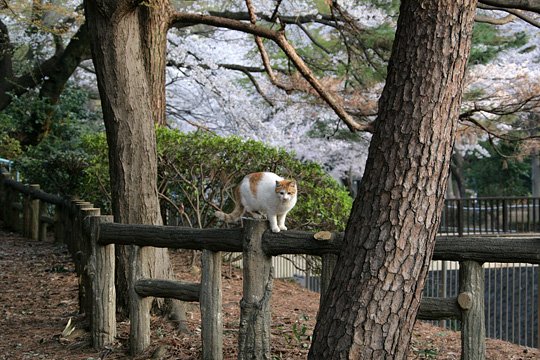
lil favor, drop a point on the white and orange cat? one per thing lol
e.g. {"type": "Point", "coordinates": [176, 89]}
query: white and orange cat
{"type": "Point", "coordinates": [263, 193]}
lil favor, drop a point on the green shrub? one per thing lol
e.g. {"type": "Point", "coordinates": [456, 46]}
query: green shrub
{"type": "Point", "coordinates": [199, 172]}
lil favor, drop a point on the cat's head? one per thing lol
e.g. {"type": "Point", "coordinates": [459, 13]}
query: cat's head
{"type": "Point", "coordinates": [286, 190]}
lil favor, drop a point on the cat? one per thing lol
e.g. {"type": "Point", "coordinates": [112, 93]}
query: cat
{"type": "Point", "coordinates": [263, 193]}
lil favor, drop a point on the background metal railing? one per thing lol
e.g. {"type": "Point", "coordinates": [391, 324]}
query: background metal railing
{"type": "Point", "coordinates": [490, 215]}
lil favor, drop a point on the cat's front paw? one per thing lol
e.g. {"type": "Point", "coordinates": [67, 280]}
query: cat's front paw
{"type": "Point", "coordinates": [275, 229]}
{"type": "Point", "coordinates": [282, 227]}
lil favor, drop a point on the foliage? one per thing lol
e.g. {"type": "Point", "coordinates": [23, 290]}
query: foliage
{"type": "Point", "coordinates": [58, 161]}
{"type": "Point", "coordinates": [198, 172]}
{"type": "Point", "coordinates": [501, 174]}
{"type": "Point", "coordinates": [96, 186]}
{"type": "Point", "coordinates": [11, 148]}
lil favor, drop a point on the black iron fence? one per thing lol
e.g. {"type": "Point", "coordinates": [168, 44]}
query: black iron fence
{"type": "Point", "coordinates": [490, 215]}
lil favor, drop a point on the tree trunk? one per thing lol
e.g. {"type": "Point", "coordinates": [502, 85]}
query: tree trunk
{"type": "Point", "coordinates": [371, 304]}
{"type": "Point", "coordinates": [456, 170]}
{"type": "Point", "coordinates": [124, 43]}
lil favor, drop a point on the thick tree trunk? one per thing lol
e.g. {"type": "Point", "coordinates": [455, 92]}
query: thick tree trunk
{"type": "Point", "coordinates": [125, 68]}
{"type": "Point", "coordinates": [371, 305]}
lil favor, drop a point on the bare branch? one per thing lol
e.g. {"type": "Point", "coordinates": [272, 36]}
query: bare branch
{"type": "Point", "coordinates": [528, 5]}
{"type": "Point", "coordinates": [494, 21]}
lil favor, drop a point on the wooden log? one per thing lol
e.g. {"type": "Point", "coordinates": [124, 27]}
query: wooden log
{"type": "Point", "coordinates": [502, 248]}
{"type": "Point", "coordinates": [139, 307]}
{"type": "Point", "coordinates": [33, 221]}
{"type": "Point", "coordinates": [300, 242]}
{"type": "Point", "coordinates": [525, 248]}
{"type": "Point", "coordinates": [16, 209]}
{"type": "Point", "coordinates": [438, 309]}
{"type": "Point", "coordinates": [33, 192]}
{"type": "Point", "coordinates": [473, 331]}
{"type": "Point", "coordinates": [168, 289]}
{"type": "Point", "coordinates": [84, 258]}
{"type": "Point", "coordinates": [211, 306]}
{"type": "Point", "coordinates": [101, 271]}
{"type": "Point", "coordinates": [254, 332]}
{"type": "Point", "coordinates": [25, 231]}
{"type": "Point", "coordinates": [43, 221]}
{"type": "Point", "coordinates": [175, 237]}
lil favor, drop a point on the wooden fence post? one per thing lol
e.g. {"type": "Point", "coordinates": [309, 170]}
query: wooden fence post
{"type": "Point", "coordinates": [33, 221]}
{"type": "Point", "coordinates": [211, 306]}
{"type": "Point", "coordinates": [76, 247]}
{"type": "Point", "coordinates": [139, 307]}
{"type": "Point", "coordinates": [84, 258]}
{"type": "Point", "coordinates": [471, 301]}
{"type": "Point", "coordinates": [13, 217]}
{"type": "Point", "coordinates": [42, 234]}
{"type": "Point", "coordinates": [254, 332]}
{"type": "Point", "coordinates": [27, 213]}
{"type": "Point", "coordinates": [103, 293]}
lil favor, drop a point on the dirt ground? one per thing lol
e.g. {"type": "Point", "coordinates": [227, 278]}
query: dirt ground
{"type": "Point", "coordinates": [38, 297]}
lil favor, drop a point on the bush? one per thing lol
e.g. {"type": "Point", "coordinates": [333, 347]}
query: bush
{"type": "Point", "coordinates": [199, 172]}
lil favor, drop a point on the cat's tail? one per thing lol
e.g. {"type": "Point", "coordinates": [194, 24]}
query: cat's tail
{"type": "Point", "coordinates": [238, 211]}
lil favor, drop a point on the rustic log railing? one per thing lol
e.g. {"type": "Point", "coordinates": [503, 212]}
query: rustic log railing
{"type": "Point", "coordinates": [91, 240]}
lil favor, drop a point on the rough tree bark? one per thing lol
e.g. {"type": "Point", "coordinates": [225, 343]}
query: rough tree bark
{"type": "Point", "coordinates": [371, 305]}
{"type": "Point", "coordinates": [128, 49]}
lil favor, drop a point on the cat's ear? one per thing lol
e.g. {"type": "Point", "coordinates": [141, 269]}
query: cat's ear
{"type": "Point", "coordinates": [293, 183]}
{"type": "Point", "coordinates": [277, 183]}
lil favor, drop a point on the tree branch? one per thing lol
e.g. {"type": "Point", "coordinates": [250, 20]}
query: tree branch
{"type": "Point", "coordinates": [494, 21]}
{"type": "Point", "coordinates": [279, 38]}
{"type": "Point", "coordinates": [517, 13]}
{"type": "Point", "coordinates": [528, 5]}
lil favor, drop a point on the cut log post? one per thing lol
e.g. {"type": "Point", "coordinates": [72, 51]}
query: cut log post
{"type": "Point", "coordinates": [43, 225]}
{"type": "Point", "coordinates": [211, 306]}
{"type": "Point", "coordinates": [254, 332]}
{"type": "Point", "coordinates": [101, 273]}
{"type": "Point", "coordinates": [77, 249]}
{"type": "Point", "coordinates": [85, 278]}
{"type": "Point", "coordinates": [33, 221]}
{"type": "Point", "coordinates": [16, 210]}
{"type": "Point", "coordinates": [139, 307]}
{"type": "Point", "coordinates": [471, 301]}
{"type": "Point", "coordinates": [25, 230]}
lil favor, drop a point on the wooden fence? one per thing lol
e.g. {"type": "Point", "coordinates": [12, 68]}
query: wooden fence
{"type": "Point", "coordinates": [91, 239]}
